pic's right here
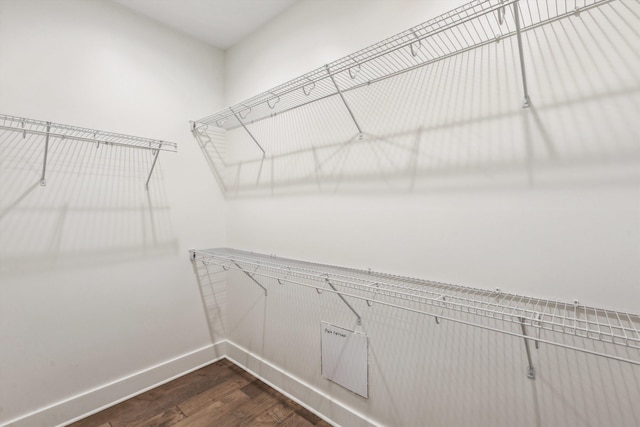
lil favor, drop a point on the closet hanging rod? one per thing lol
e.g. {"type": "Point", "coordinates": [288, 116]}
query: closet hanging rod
{"type": "Point", "coordinates": [74, 133]}
{"type": "Point", "coordinates": [468, 27]}
{"type": "Point", "coordinates": [549, 319]}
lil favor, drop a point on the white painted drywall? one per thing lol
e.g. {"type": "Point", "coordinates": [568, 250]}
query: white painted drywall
{"type": "Point", "coordinates": [95, 284]}
{"type": "Point", "coordinates": [95, 279]}
{"type": "Point", "coordinates": [565, 230]}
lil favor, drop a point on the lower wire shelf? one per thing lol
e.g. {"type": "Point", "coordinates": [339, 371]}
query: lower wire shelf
{"type": "Point", "coordinates": [601, 332]}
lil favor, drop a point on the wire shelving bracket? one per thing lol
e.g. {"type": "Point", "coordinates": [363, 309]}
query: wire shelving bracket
{"type": "Point", "coordinates": [531, 372]}
{"type": "Point", "coordinates": [358, 318]}
{"type": "Point", "coordinates": [250, 276]}
{"type": "Point", "coordinates": [248, 131]}
{"type": "Point", "coordinates": [59, 131]}
{"type": "Point", "coordinates": [602, 332]}
{"type": "Point", "coordinates": [43, 178]}
{"type": "Point", "coordinates": [344, 101]}
{"type": "Point", "coordinates": [526, 102]}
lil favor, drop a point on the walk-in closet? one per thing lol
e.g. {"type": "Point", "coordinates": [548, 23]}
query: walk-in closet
{"type": "Point", "coordinates": [401, 213]}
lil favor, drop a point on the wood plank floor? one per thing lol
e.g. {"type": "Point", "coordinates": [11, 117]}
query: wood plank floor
{"type": "Point", "coordinates": [220, 394]}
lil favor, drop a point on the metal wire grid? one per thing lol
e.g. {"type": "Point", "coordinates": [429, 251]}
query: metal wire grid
{"type": "Point", "coordinates": [446, 301]}
{"type": "Point", "coordinates": [61, 131]}
{"type": "Point", "coordinates": [470, 26]}
{"type": "Point", "coordinates": [213, 145]}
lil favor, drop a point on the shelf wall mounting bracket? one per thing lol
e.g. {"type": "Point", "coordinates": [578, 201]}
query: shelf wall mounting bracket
{"type": "Point", "coordinates": [306, 89]}
{"type": "Point", "coordinates": [153, 165]}
{"type": "Point", "coordinates": [249, 132]}
{"type": "Point", "coordinates": [250, 276]}
{"type": "Point", "coordinates": [531, 372]}
{"type": "Point", "coordinates": [43, 180]}
{"type": "Point", "coordinates": [344, 101]}
{"type": "Point", "coordinates": [353, 71]}
{"type": "Point", "coordinates": [358, 318]}
{"type": "Point", "coordinates": [526, 102]}
{"type": "Point", "coordinates": [371, 301]}
{"type": "Point", "coordinates": [436, 318]}
{"type": "Point", "coordinates": [273, 101]}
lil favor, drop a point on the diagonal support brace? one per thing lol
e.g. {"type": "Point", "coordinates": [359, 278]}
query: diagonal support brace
{"type": "Point", "coordinates": [43, 180]}
{"type": "Point", "coordinates": [531, 372]}
{"type": "Point", "coordinates": [250, 276]}
{"type": "Point", "coordinates": [526, 102]}
{"type": "Point", "coordinates": [359, 319]}
{"type": "Point", "coordinates": [249, 132]}
{"type": "Point", "coordinates": [153, 165]}
{"type": "Point", "coordinates": [344, 101]}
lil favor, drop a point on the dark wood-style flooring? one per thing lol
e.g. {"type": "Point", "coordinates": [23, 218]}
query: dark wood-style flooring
{"type": "Point", "coordinates": [220, 394]}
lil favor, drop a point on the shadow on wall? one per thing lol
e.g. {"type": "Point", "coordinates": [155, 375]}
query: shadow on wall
{"type": "Point", "coordinates": [93, 209]}
{"type": "Point", "coordinates": [212, 284]}
{"type": "Point", "coordinates": [421, 372]}
{"type": "Point", "coordinates": [459, 122]}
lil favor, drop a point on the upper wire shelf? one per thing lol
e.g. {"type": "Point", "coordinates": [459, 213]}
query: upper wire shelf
{"type": "Point", "coordinates": [551, 321]}
{"type": "Point", "coordinates": [467, 27]}
{"type": "Point", "coordinates": [48, 130]}
{"type": "Point", "coordinates": [74, 133]}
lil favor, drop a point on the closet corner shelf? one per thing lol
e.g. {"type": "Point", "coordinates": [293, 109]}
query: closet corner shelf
{"type": "Point", "coordinates": [602, 332]}
{"type": "Point", "coordinates": [50, 130]}
{"type": "Point", "coordinates": [467, 27]}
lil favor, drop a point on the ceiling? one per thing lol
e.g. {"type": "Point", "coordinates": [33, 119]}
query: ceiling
{"type": "Point", "coordinates": [221, 23]}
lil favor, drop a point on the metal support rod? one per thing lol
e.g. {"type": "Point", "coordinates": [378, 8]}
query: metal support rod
{"type": "Point", "coordinates": [526, 103]}
{"type": "Point", "coordinates": [344, 101]}
{"type": "Point", "coordinates": [537, 341]}
{"type": "Point", "coordinates": [43, 180]}
{"type": "Point", "coordinates": [153, 165]}
{"type": "Point", "coordinates": [359, 319]}
{"type": "Point", "coordinates": [250, 134]}
{"type": "Point", "coordinates": [251, 277]}
{"type": "Point", "coordinates": [531, 372]}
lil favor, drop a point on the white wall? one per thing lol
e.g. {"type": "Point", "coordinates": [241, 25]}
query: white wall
{"type": "Point", "coordinates": [96, 284]}
{"type": "Point", "coordinates": [563, 227]}
{"type": "Point", "coordinates": [565, 230]}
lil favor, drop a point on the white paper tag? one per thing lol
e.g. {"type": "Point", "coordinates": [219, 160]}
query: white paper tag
{"type": "Point", "coordinates": [345, 358]}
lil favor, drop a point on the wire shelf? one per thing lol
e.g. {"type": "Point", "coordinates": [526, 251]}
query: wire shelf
{"type": "Point", "coordinates": [74, 133]}
{"type": "Point", "coordinates": [467, 27]}
{"type": "Point", "coordinates": [16, 128]}
{"type": "Point", "coordinates": [551, 321]}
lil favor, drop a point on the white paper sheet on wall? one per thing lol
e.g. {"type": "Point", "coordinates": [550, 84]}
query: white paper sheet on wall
{"type": "Point", "coordinates": [345, 358]}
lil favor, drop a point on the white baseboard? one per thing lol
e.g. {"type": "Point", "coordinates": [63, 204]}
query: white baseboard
{"type": "Point", "coordinates": [84, 404]}
{"type": "Point", "coordinates": [97, 399]}
{"type": "Point", "coordinates": [297, 389]}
